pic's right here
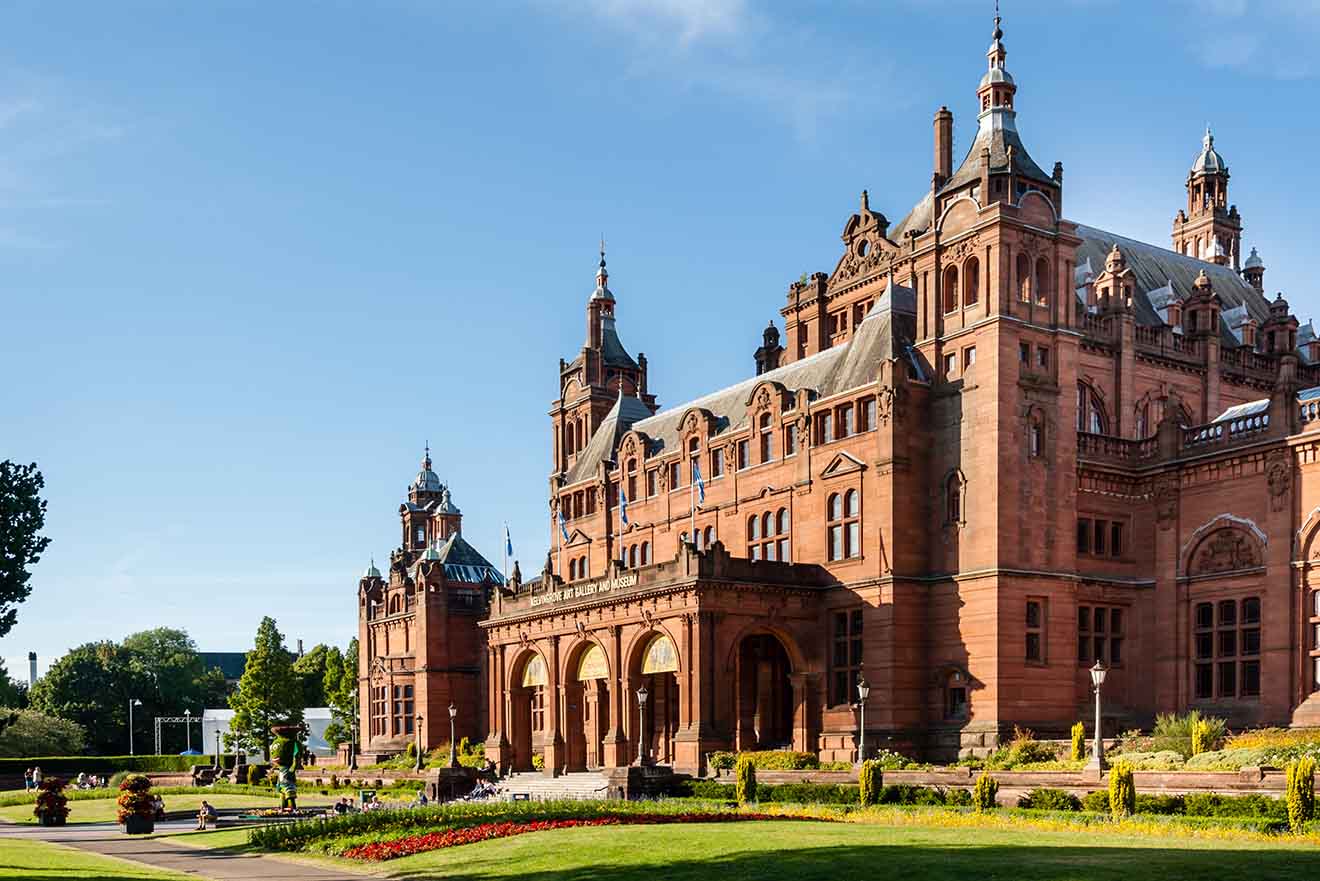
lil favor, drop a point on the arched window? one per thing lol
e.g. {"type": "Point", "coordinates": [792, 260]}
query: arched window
{"type": "Point", "coordinates": [582, 567]}
{"type": "Point", "coordinates": [766, 443]}
{"type": "Point", "coordinates": [694, 455]}
{"type": "Point", "coordinates": [1035, 435]}
{"type": "Point", "coordinates": [753, 537]}
{"type": "Point", "coordinates": [572, 570]}
{"type": "Point", "coordinates": [632, 557]}
{"type": "Point", "coordinates": [1043, 286]}
{"type": "Point", "coordinates": [953, 499]}
{"type": "Point", "coordinates": [632, 480]}
{"type": "Point", "coordinates": [971, 282]}
{"type": "Point", "coordinates": [710, 536]}
{"type": "Point", "coordinates": [394, 605]}
{"type": "Point", "coordinates": [767, 525]}
{"type": "Point", "coordinates": [696, 540]}
{"type": "Point", "coordinates": [1023, 275]}
{"type": "Point", "coordinates": [843, 539]}
{"type": "Point", "coordinates": [1142, 424]}
{"type": "Point", "coordinates": [950, 289]}
{"type": "Point", "coordinates": [646, 553]}
{"type": "Point", "coordinates": [569, 446]}
{"type": "Point", "coordinates": [1090, 411]}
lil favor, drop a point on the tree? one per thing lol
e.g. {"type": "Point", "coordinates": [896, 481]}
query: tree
{"type": "Point", "coordinates": [13, 693]}
{"type": "Point", "coordinates": [92, 685]}
{"type": "Point", "coordinates": [269, 693]}
{"type": "Point", "coordinates": [36, 734]}
{"type": "Point", "coordinates": [310, 669]}
{"type": "Point", "coordinates": [22, 517]}
{"type": "Point", "coordinates": [341, 680]}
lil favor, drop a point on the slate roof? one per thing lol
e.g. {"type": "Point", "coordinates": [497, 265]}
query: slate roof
{"type": "Point", "coordinates": [886, 332]}
{"type": "Point", "coordinates": [1156, 268]}
{"type": "Point", "coordinates": [463, 562]}
{"type": "Point", "coordinates": [998, 138]}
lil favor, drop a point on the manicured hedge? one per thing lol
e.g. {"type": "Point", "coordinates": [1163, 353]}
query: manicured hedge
{"type": "Point", "coordinates": [70, 766]}
{"type": "Point", "coordinates": [825, 793]}
{"type": "Point", "coordinates": [1199, 804]}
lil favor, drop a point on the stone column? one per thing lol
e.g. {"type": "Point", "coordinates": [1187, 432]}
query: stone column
{"type": "Point", "coordinates": [554, 692]}
{"type": "Point", "coordinates": [615, 750]}
{"type": "Point", "coordinates": [801, 683]}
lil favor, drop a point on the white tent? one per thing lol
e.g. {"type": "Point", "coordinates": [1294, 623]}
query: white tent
{"type": "Point", "coordinates": [317, 719]}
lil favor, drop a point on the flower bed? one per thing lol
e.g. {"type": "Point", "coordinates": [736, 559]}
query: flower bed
{"type": "Point", "coordinates": [408, 845]}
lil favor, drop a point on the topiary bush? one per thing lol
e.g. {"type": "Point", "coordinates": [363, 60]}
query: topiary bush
{"type": "Point", "coordinates": [767, 760]}
{"type": "Point", "coordinates": [1122, 791]}
{"type": "Point", "coordinates": [745, 783]}
{"type": "Point", "coordinates": [984, 795]}
{"type": "Point", "coordinates": [1097, 801]}
{"type": "Point", "coordinates": [1050, 800]}
{"type": "Point", "coordinates": [870, 780]}
{"type": "Point", "coordinates": [1078, 753]}
{"type": "Point", "coordinates": [1301, 794]}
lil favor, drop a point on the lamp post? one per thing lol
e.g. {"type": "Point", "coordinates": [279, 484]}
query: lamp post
{"type": "Point", "coordinates": [187, 728]}
{"type": "Point", "coordinates": [417, 735]}
{"type": "Point", "coordinates": [863, 692]}
{"type": "Point", "coordinates": [352, 741]}
{"type": "Point", "coordinates": [642, 756]}
{"type": "Point", "coordinates": [1097, 762]}
{"type": "Point", "coordinates": [131, 704]}
{"type": "Point", "coordinates": [453, 756]}
{"type": "Point", "coordinates": [219, 757]}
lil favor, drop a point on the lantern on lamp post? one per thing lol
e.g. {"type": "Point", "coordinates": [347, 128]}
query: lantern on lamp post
{"type": "Point", "coordinates": [1097, 762]}
{"type": "Point", "coordinates": [417, 736]}
{"type": "Point", "coordinates": [453, 756]}
{"type": "Point", "coordinates": [863, 692]}
{"type": "Point", "coordinates": [642, 750]}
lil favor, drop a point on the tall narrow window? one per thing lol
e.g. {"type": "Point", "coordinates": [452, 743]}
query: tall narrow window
{"type": "Point", "coordinates": [753, 537]}
{"type": "Point", "coordinates": [845, 414]}
{"type": "Point", "coordinates": [790, 439]}
{"type": "Point", "coordinates": [845, 657]}
{"type": "Point", "coordinates": [652, 482]}
{"type": "Point", "coordinates": [744, 459]}
{"type": "Point", "coordinates": [766, 438]}
{"type": "Point", "coordinates": [675, 475]}
{"type": "Point", "coordinates": [950, 289]}
{"type": "Point", "coordinates": [834, 528]}
{"type": "Point", "coordinates": [953, 499]}
{"type": "Point", "coordinates": [710, 536]}
{"type": "Point", "coordinates": [717, 463]}
{"type": "Point", "coordinates": [646, 552]}
{"type": "Point", "coordinates": [1043, 285]}
{"type": "Point", "coordinates": [843, 527]}
{"type": "Point", "coordinates": [694, 457]}
{"type": "Point", "coordinates": [824, 428]}
{"type": "Point", "coordinates": [971, 282]}
{"type": "Point", "coordinates": [632, 480]}
{"type": "Point", "coordinates": [1036, 630]}
{"type": "Point", "coordinates": [1023, 275]}
{"type": "Point", "coordinates": [1090, 411]}
{"type": "Point", "coordinates": [866, 415]}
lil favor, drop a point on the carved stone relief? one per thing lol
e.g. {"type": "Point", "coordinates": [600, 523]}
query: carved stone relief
{"type": "Point", "coordinates": [1225, 550]}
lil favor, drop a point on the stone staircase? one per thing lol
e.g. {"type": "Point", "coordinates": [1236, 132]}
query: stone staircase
{"type": "Point", "coordinates": [536, 786]}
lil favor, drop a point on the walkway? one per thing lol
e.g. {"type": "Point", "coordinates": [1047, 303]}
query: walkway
{"type": "Point", "coordinates": [106, 839]}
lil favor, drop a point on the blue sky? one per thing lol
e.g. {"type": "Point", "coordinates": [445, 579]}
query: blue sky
{"type": "Point", "coordinates": [253, 255]}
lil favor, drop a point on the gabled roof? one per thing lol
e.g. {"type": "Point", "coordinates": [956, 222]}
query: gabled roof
{"type": "Point", "coordinates": [886, 332]}
{"type": "Point", "coordinates": [999, 139]}
{"type": "Point", "coordinates": [463, 562]}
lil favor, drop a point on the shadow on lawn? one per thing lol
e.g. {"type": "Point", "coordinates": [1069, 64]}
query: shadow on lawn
{"type": "Point", "coordinates": [921, 861]}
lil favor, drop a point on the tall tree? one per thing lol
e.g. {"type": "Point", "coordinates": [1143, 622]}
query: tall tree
{"type": "Point", "coordinates": [269, 693]}
{"type": "Point", "coordinates": [310, 669]}
{"type": "Point", "coordinates": [341, 692]}
{"type": "Point", "coordinates": [92, 686]}
{"type": "Point", "coordinates": [13, 693]}
{"type": "Point", "coordinates": [178, 678]}
{"type": "Point", "coordinates": [22, 517]}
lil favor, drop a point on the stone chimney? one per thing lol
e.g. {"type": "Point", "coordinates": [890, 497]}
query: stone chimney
{"type": "Point", "coordinates": [943, 145]}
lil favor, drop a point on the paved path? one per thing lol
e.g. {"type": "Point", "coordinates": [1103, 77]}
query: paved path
{"type": "Point", "coordinates": [105, 838]}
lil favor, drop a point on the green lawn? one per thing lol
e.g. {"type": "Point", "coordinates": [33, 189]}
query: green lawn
{"type": "Point", "coordinates": [799, 851]}
{"type": "Point", "coordinates": [102, 810]}
{"type": "Point", "coordinates": [38, 861]}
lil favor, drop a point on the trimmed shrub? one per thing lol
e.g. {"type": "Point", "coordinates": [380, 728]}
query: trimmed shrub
{"type": "Point", "coordinates": [768, 760]}
{"type": "Point", "coordinates": [1160, 804]}
{"type": "Point", "coordinates": [1167, 760]}
{"type": "Point", "coordinates": [69, 766]}
{"type": "Point", "coordinates": [809, 793]}
{"type": "Point", "coordinates": [1097, 801]}
{"type": "Point", "coordinates": [1225, 760]}
{"type": "Point", "coordinates": [745, 787]}
{"type": "Point", "coordinates": [870, 781]}
{"type": "Point", "coordinates": [958, 798]}
{"type": "Point", "coordinates": [1078, 742]}
{"type": "Point", "coordinates": [1050, 800]}
{"type": "Point", "coordinates": [1122, 791]}
{"type": "Point", "coordinates": [1301, 794]}
{"type": "Point", "coordinates": [985, 793]}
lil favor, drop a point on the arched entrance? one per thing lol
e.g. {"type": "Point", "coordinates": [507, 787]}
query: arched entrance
{"type": "Point", "coordinates": [765, 694]}
{"type": "Point", "coordinates": [587, 708]}
{"type": "Point", "coordinates": [656, 722]}
{"type": "Point", "coordinates": [527, 711]}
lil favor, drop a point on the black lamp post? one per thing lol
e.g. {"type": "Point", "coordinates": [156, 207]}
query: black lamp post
{"type": "Point", "coordinates": [642, 757]}
{"type": "Point", "coordinates": [453, 754]}
{"type": "Point", "coordinates": [863, 692]}
{"type": "Point", "coordinates": [417, 736]}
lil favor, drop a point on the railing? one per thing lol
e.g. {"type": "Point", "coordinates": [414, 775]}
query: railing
{"type": "Point", "coordinates": [1098, 326]}
{"type": "Point", "coordinates": [1227, 432]}
{"type": "Point", "coordinates": [1116, 449]}
{"type": "Point", "coordinates": [1309, 411]}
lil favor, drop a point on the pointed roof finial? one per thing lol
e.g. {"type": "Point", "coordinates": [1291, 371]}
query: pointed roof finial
{"type": "Point", "coordinates": [426, 456]}
{"type": "Point", "coordinates": [866, 201]}
{"type": "Point", "coordinates": [602, 250]}
{"type": "Point", "coordinates": [999, 31]}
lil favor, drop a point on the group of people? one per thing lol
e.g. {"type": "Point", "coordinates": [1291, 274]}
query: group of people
{"type": "Point", "coordinates": [33, 776]}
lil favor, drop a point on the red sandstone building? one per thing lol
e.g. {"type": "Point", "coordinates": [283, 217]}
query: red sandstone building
{"type": "Point", "coordinates": [995, 447]}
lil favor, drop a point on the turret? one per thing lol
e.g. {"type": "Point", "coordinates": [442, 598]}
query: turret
{"type": "Point", "coordinates": [1254, 271]}
{"type": "Point", "coordinates": [1209, 228]}
{"type": "Point", "coordinates": [767, 356]}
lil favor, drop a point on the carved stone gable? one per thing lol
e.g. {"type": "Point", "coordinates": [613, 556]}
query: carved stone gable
{"type": "Point", "coordinates": [1225, 550]}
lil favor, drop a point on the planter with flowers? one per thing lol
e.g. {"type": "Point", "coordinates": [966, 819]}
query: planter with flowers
{"type": "Point", "coordinates": [52, 805]}
{"type": "Point", "coordinates": [137, 809]}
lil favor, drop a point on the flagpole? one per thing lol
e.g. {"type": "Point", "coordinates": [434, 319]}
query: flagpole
{"type": "Point", "coordinates": [692, 507]}
{"type": "Point", "coordinates": [559, 539]}
{"type": "Point", "coordinates": [506, 553]}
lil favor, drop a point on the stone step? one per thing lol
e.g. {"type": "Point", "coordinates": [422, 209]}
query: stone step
{"type": "Point", "coordinates": [541, 788]}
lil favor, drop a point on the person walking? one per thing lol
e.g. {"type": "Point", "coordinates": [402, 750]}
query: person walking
{"type": "Point", "coordinates": [27, 780]}
{"type": "Point", "coordinates": [36, 777]}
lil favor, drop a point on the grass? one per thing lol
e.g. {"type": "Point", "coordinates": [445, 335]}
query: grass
{"type": "Point", "coordinates": [39, 861]}
{"type": "Point", "coordinates": [830, 851]}
{"type": "Point", "coordinates": [102, 810]}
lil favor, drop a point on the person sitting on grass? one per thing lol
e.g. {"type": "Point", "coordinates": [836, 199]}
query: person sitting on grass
{"type": "Point", "coordinates": [206, 814]}
{"type": "Point", "coordinates": [421, 799]}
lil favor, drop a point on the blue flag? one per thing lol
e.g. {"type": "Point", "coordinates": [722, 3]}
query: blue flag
{"type": "Point", "coordinates": [698, 483]}
{"type": "Point", "coordinates": [508, 542]}
{"type": "Point", "coordinates": [623, 505]}
{"type": "Point", "coordinates": [563, 529]}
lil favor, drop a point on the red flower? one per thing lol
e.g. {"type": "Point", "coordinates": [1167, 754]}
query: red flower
{"type": "Point", "coordinates": [412, 844]}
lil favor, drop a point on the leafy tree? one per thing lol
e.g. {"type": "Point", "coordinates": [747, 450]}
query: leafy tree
{"type": "Point", "coordinates": [13, 694]}
{"type": "Point", "coordinates": [269, 692]}
{"type": "Point", "coordinates": [341, 681]}
{"type": "Point", "coordinates": [92, 685]}
{"type": "Point", "coordinates": [310, 669]}
{"type": "Point", "coordinates": [22, 517]}
{"type": "Point", "coordinates": [178, 678]}
{"type": "Point", "coordinates": [36, 734]}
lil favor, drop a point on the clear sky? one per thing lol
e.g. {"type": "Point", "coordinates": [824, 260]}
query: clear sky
{"type": "Point", "coordinates": [254, 255]}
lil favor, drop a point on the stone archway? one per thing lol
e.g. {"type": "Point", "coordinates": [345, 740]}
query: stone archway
{"type": "Point", "coordinates": [527, 697]}
{"type": "Point", "coordinates": [766, 705]}
{"type": "Point", "coordinates": [586, 707]}
{"type": "Point", "coordinates": [655, 667]}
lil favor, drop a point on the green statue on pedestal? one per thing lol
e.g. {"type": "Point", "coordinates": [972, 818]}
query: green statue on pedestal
{"type": "Point", "coordinates": [286, 757]}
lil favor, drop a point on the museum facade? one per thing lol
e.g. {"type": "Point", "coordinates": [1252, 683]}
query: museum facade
{"type": "Point", "coordinates": [992, 447]}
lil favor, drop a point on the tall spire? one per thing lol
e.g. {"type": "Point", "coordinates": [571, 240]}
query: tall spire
{"type": "Point", "coordinates": [997, 86]}
{"type": "Point", "coordinates": [426, 456]}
